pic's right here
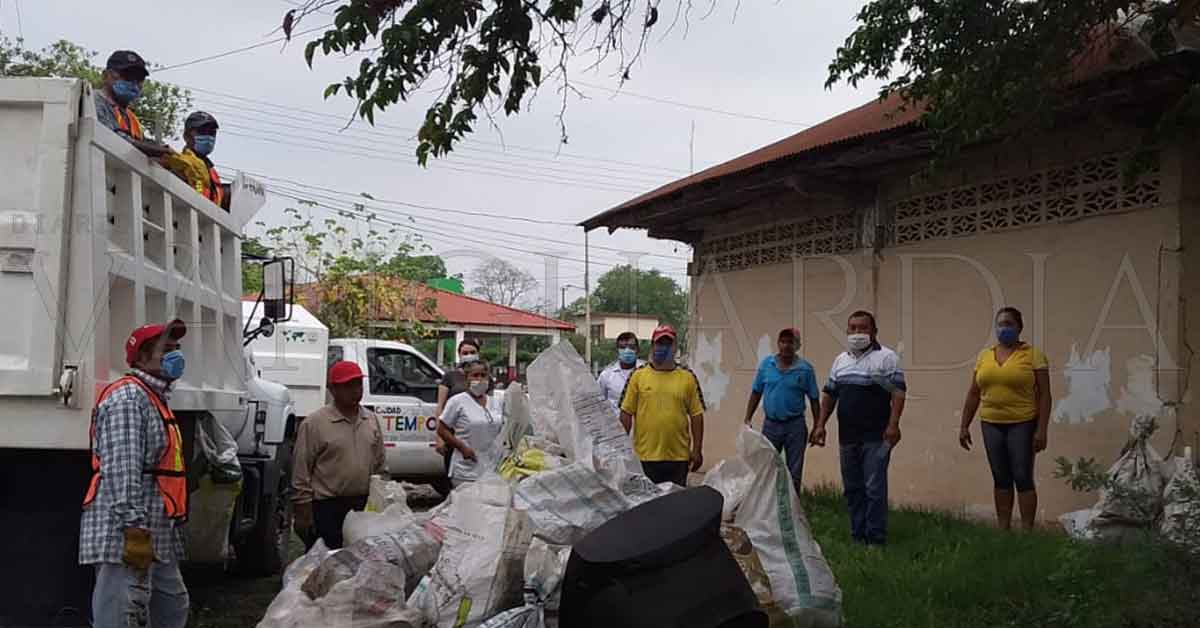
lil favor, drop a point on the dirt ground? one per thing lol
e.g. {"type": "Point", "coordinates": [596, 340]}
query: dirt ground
{"type": "Point", "coordinates": [222, 600]}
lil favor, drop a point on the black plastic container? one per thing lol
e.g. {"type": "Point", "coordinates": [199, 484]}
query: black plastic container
{"type": "Point", "coordinates": [662, 565]}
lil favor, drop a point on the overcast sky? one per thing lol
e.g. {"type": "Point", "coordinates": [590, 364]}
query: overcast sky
{"type": "Point", "coordinates": [769, 63]}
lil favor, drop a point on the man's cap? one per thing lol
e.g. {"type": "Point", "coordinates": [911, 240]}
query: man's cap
{"type": "Point", "coordinates": [199, 120]}
{"type": "Point", "coordinates": [789, 331]}
{"type": "Point", "coordinates": [127, 61]}
{"type": "Point", "coordinates": [344, 371]}
{"type": "Point", "coordinates": [663, 331]}
{"type": "Point", "coordinates": [144, 333]}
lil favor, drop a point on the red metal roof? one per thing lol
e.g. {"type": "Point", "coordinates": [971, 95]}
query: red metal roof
{"type": "Point", "coordinates": [452, 309]}
{"type": "Point", "coordinates": [874, 118]}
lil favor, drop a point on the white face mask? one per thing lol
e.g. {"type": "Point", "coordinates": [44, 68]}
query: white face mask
{"type": "Point", "coordinates": [468, 358]}
{"type": "Point", "coordinates": [478, 387]}
{"type": "Point", "coordinates": [858, 342]}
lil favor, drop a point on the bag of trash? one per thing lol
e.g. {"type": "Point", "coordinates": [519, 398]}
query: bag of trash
{"type": "Point", "coordinates": [362, 525]}
{"type": "Point", "coordinates": [219, 449]}
{"type": "Point", "coordinates": [567, 503]}
{"type": "Point", "coordinates": [771, 515]}
{"type": "Point", "coordinates": [412, 548]}
{"type": "Point", "coordinates": [1181, 508]}
{"type": "Point", "coordinates": [566, 401]}
{"type": "Point", "coordinates": [742, 548]}
{"type": "Point", "coordinates": [479, 570]}
{"type": "Point", "coordinates": [1135, 500]}
{"type": "Point", "coordinates": [526, 461]}
{"type": "Point", "coordinates": [212, 503]}
{"type": "Point", "coordinates": [373, 598]}
{"type": "Point", "coordinates": [544, 568]}
{"type": "Point", "coordinates": [385, 493]}
{"type": "Point", "coordinates": [1078, 524]}
{"type": "Point", "coordinates": [291, 608]}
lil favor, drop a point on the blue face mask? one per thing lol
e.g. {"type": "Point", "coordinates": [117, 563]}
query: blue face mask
{"type": "Point", "coordinates": [204, 144]}
{"type": "Point", "coordinates": [172, 365]}
{"type": "Point", "coordinates": [627, 356]}
{"type": "Point", "coordinates": [125, 92]}
{"type": "Point", "coordinates": [663, 353]}
{"type": "Point", "coordinates": [1007, 335]}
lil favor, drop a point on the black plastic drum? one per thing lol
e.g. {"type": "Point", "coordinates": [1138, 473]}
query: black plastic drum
{"type": "Point", "coordinates": [661, 565]}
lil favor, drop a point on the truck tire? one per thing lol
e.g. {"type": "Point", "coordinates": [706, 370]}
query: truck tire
{"type": "Point", "coordinates": [266, 549]}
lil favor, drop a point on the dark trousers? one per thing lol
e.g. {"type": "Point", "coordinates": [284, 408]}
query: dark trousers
{"type": "Point", "coordinates": [329, 514]}
{"type": "Point", "coordinates": [864, 479]}
{"type": "Point", "coordinates": [1010, 453]}
{"type": "Point", "coordinates": [791, 437]}
{"type": "Point", "coordinates": [667, 471]}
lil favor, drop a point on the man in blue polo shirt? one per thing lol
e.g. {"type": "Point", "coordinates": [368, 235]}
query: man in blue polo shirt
{"type": "Point", "coordinates": [783, 382]}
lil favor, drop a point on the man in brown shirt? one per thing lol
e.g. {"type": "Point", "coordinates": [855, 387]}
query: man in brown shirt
{"type": "Point", "coordinates": [338, 449]}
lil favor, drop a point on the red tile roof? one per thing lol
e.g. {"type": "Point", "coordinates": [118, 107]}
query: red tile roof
{"type": "Point", "coordinates": [454, 309]}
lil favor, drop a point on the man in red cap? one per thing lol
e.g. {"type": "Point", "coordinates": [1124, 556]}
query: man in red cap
{"type": "Point", "coordinates": [663, 406]}
{"type": "Point", "coordinates": [338, 449]}
{"type": "Point", "coordinates": [136, 503]}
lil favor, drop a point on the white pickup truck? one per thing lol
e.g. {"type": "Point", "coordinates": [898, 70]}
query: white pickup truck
{"type": "Point", "coordinates": [96, 240]}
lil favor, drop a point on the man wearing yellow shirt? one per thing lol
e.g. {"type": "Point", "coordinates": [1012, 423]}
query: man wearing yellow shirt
{"type": "Point", "coordinates": [193, 165]}
{"type": "Point", "coordinates": [1011, 390]}
{"type": "Point", "coordinates": [663, 406]}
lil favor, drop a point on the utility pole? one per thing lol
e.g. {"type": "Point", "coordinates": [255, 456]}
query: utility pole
{"type": "Point", "coordinates": [587, 300]}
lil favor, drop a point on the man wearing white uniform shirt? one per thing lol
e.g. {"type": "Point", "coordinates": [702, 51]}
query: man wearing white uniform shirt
{"type": "Point", "coordinates": [613, 378]}
{"type": "Point", "coordinates": [470, 424]}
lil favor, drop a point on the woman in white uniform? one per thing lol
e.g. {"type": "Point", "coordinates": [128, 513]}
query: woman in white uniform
{"type": "Point", "coordinates": [470, 424]}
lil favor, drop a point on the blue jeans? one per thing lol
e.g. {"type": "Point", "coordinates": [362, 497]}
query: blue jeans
{"type": "Point", "coordinates": [129, 598]}
{"type": "Point", "coordinates": [864, 479]}
{"type": "Point", "coordinates": [790, 437]}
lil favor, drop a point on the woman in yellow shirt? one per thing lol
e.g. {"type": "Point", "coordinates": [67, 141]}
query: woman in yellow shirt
{"type": "Point", "coordinates": [1011, 390]}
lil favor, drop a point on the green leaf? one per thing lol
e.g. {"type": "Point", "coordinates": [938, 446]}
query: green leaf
{"type": "Point", "coordinates": [309, 49]}
{"type": "Point", "coordinates": [331, 90]}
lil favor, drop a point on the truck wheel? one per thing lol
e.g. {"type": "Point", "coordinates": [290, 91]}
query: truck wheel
{"type": "Point", "coordinates": [266, 548]}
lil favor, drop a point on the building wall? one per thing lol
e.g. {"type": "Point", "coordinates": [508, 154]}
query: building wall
{"type": "Point", "coordinates": [613, 326]}
{"type": "Point", "coordinates": [1099, 285]}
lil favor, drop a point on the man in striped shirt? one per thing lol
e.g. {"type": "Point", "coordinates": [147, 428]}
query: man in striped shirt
{"type": "Point", "coordinates": [867, 387]}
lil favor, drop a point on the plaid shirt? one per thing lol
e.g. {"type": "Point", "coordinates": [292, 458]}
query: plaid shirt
{"type": "Point", "coordinates": [129, 439]}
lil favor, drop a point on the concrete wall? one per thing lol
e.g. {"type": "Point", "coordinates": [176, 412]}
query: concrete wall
{"type": "Point", "coordinates": [1101, 296]}
{"type": "Point", "coordinates": [616, 325]}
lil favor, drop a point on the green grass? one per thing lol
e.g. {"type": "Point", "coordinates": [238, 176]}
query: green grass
{"type": "Point", "coordinates": [941, 570]}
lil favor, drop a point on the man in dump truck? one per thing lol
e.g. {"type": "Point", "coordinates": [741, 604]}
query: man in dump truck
{"type": "Point", "coordinates": [193, 165]}
{"type": "Point", "coordinates": [123, 76]}
{"type": "Point", "coordinates": [136, 503]}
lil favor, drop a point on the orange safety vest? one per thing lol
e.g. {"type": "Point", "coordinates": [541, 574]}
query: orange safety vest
{"type": "Point", "coordinates": [170, 473]}
{"type": "Point", "coordinates": [216, 193]}
{"type": "Point", "coordinates": [127, 121]}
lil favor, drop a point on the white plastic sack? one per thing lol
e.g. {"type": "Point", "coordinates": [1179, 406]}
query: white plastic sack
{"type": "Point", "coordinates": [385, 493]}
{"type": "Point", "coordinates": [219, 449]}
{"type": "Point", "coordinates": [544, 567]}
{"type": "Point", "coordinates": [1078, 524]}
{"type": "Point", "coordinates": [213, 503]}
{"type": "Point", "coordinates": [770, 513]}
{"type": "Point", "coordinates": [363, 525]}
{"type": "Point", "coordinates": [413, 548]}
{"type": "Point", "coordinates": [567, 503]}
{"type": "Point", "coordinates": [479, 571]}
{"type": "Point", "coordinates": [1181, 507]}
{"type": "Point", "coordinates": [1139, 473]}
{"type": "Point", "coordinates": [291, 608]}
{"type": "Point", "coordinates": [374, 598]}
{"type": "Point", "coordinates": [567, 401]}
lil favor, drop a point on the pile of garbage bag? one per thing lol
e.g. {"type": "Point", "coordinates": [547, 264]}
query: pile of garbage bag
{"type": "Point", "coordinates": [493, 555]}
{"type": "Point", "coordinates": [1145, 492]}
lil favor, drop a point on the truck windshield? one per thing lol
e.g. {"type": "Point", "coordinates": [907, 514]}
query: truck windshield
{"type": "Point", "coordinates": [395, 371]}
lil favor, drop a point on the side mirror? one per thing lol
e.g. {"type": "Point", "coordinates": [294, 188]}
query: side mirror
{"type": "Point", "coordinates": [266, 327]}
{"type": "Point", "coordinates": [279, 289]}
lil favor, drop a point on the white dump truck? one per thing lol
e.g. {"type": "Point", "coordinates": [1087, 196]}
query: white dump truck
{"type": "Point", "coordinates": [96, 240]}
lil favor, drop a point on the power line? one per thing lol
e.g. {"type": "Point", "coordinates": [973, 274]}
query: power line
{"type": "Point", "coordinates": [601, 186]}
{"type": "Point", "coordinates": [676, 103]}
{"type": "Point", "coordinates": [388, 147]}
{"type": "Point", "coordinates": [272, 119]}
{"type": "Point", "coordinates": [239, 50]}
{"type": "Point", "coordinates": [466, 144]}
{"type": "Point", "coordinates": [523, 236]}
{"type": "Point", "coordinates": [495, 215]}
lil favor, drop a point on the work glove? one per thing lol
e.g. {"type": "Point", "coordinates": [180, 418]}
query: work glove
{"type": "Point", "coordinates": [139, 548]}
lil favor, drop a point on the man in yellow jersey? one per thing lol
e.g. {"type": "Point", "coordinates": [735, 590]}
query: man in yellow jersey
{"type": "Point", "coordinates": [663, 406]}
